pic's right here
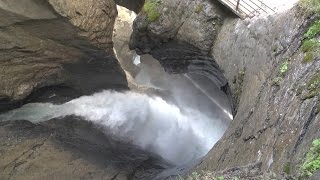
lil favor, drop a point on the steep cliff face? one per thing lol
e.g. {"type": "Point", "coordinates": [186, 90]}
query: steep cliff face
{"type": "Point", "coordinates": [276, 119]}
{"type": "Point", "coordinates": [68, 49]}
{"type": "Point", "coordinates": [263, 63]}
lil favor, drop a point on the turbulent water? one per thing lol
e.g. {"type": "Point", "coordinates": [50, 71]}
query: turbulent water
{"type": "Point", "coordinates": [178, 135]}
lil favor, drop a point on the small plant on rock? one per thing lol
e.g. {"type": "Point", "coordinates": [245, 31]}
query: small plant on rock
{"type": "Point", "coordinates": [150, 8]}
{"type": "Point", "coordinates": [311, 44]}
{"type": "Point", "coordinates": [312, 161]}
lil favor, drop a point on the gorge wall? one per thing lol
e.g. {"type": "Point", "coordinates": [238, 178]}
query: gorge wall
{"type": "Point", "coordinates": [58, 50]}
{"type": "Point", "coordinates": [64, 45]}
{"type": "Point", "coordinates": [276, 118]}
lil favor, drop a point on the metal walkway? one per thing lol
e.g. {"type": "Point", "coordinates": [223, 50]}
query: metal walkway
{"type": "Point", "coordinates": [247, 8]}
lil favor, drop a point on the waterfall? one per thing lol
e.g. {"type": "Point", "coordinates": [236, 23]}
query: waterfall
{"type": "Point", "coordinates": [178, 135]}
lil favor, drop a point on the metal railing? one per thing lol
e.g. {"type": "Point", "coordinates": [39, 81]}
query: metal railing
{"type": "Point", "coordinates": [248, 8]}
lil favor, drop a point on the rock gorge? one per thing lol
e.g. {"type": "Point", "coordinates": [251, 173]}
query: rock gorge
{"type": "Point", "coordinates": [55, 51]}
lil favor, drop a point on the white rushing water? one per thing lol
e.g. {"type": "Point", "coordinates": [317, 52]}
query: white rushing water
{"type": "Point", "coordinates": [178, 136]}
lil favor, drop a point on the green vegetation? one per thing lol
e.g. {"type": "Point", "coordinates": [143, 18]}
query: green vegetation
{"type": "Point", "coordinates": [284, 67]}
{"type": "Point", "coordinates": [311, 45]}
{"type": "Point", "coordinates": [312, 161]}
{"type": "Point", "coordinates": [150, 8]}
{"type": "Point", "coordinates": [313, 30]}
{"type": "Point", "coordinates": [179, 177]}
{"type": "Point", "coordinates": [312, 6]}
{"type": "Point", "coordinates": [195, 175]}
{"type": "Point", "coordinates": [313, 87]}
{"type": "Point", "coordinates": [198, 8]}
{"type": "Point", "coordinates": [220, 178]}
{"type": "Point", "coordinates": [282, 71]}
{"type": "Point", "coordinates": [287, 168]}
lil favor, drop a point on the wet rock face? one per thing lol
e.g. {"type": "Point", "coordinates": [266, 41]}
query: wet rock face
{"type": "Point", "coordinates": [180, 58]}
{"type": "Point", "coordinates": [276, 120]}
{"type": "Point", "coordinates": [181, 37]}
{"type": "Point", "coordinates": [193, 22]}
{"type": "Point", "coordinates": [40, 49]}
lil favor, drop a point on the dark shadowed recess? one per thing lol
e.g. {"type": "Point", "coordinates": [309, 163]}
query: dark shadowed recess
{"type": "Point", "coordinates": [180, 58]}
{"type": "Point", "coordinates": [135, 5]}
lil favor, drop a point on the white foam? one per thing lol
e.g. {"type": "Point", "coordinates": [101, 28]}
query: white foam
{"type": "Point", "coordinates": [178, 136]}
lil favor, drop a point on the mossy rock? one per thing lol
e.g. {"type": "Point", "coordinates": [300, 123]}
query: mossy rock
{"type": "Point", "coordinates": [311, 44]}
{"type": "Point", "coordinates": [312, 6]}
{"type": "Point", "coordinates": [198, 8]}
{"type": "Point", "coordinates": [311, 163]}
{"type": "Point", "coordinates": [151, 9]}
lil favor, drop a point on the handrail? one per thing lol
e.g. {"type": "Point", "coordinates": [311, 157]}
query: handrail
{"type": "Point", "coordinates": [247, 8]}
{"type": "Point", "coordinates": [238, 5]}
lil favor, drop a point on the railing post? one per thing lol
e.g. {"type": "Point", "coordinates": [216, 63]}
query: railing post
{"type": "Point", "coordinates": [238, 2]}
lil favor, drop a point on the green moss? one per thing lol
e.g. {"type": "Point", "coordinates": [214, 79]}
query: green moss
{"type": "Point", "coordinates": [313, 87]}
{"type": "Point", "coordinates": [312, 6]}
{"type": "Point", "coordinates": [313, 30]}
{"type": "Point", "coordinates": [198, 8]}
{"type": "Point", "coordinates": [287, 168]}
{"type": "Point", "coordinates": [312, 161]}
{"type": "Point", "coordinates": [309, 95]}
{"type": "Point", "coordinates": [284, 67]}
{"type": "Point", "coordinates": [150, 8]}
{"type": "Point", "coordinates": [282, 71]}
{"type": "Point", "coordinates": [196, 175]}
{"type": "Point", "coordinates": [179, 177]}
{"type": "Point", "coordinates": [308, 57]}
{"type": "Point", "coordinates": [220, 178]}
{"type": "Point", "coordinates": [314, 83]}
{"type": "Point", "coordinates": [310, 45]}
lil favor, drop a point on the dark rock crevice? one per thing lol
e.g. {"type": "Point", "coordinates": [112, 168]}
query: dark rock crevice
{"type": "Point", "coordinates": [135, 5]}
